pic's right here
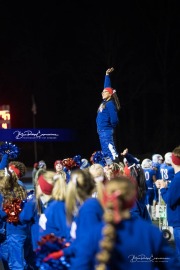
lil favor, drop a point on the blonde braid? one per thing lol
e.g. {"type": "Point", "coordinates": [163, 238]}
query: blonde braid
{"type": "Point", "coordinates": [107, 243]}
{"type": "Point", "coordinates": [119, 197]}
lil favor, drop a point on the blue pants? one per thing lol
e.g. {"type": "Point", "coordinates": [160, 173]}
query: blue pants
{"type": "Point", "coordinates": [149, 196]}
{"type": "Point", "coordinates": [108, 148]}
{"type": "Point", "coordinates": [12, 251]}
{"type": "Point", "coordinates": [156, 193]}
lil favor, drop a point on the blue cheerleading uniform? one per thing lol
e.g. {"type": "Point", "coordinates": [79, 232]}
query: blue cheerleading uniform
{"type": "Point", "coordinates": [138, 245]}
{"type": "Point", "coordinates": [12, 249]}
{"type": "Point", "coordinates": [107, 120]}
{"type": "Point", "coordinates": [90, 213]}
{"type": "Point", "coordinates": [55, 216]}
{"type": "Point", "coordinates": [30, 216]}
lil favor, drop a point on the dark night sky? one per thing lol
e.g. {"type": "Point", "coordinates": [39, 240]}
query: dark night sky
{"type": "Point", "coordinates": [59, 51]}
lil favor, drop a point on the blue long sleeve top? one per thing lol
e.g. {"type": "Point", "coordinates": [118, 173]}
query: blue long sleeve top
{"type": "Point", "coordinates": [138, 245]}
{"type": "Point", "coordinates": [131, 159]}
{"type": "Point", "coordinates": [171, 196]}
{"type": "Point", "coordinates": [107, 81]}
{"type": "Point", "coordinates": [107, 116]}
{"type": "Point", "coordinates": [90, 213]}
{"type": "Point", "coordinates": [30, 216]}
{"type": "Point", "coordinates": [56, 220]}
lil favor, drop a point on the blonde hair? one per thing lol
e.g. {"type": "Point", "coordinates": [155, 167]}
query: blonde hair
{"type": "Point", "coordinates": [114, 170]}
{"type": "Point", "coordinates": [59, 189]}
{"type": "Point", "coordinates": [79, 188]}
{"type": "Point", "coordinates": [97, 171]}
{"type": "Point", "coordinates": [58, 181]}
{"type": "Point", "coordinates": [123, 191]}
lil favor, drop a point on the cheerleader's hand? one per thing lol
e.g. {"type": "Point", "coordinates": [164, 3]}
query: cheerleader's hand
{"type": "Point", "coordinates": [109, 70]}
{"type": "Point", "coordinates": [54, 255]}
{"type": "Point", "coordinates": [125, 152]}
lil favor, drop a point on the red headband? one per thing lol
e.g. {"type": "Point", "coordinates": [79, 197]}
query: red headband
{"type": "Point", "coordinates": [58, 162]}
{"type": "Point", "coordinates": [175, 159]}
{"type": "Point", "coordinates": [44, 185]}
{"type": "Point", "coordinates": [15, 170]}
{"type": "Point", "coordinates": [109, 89]}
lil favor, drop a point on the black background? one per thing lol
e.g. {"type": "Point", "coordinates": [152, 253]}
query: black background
{"type": "Point", "coordinates": [59, 51]}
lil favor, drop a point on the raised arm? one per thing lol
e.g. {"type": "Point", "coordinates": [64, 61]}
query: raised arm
{"type": "Point", "coordinates": [107, 81]}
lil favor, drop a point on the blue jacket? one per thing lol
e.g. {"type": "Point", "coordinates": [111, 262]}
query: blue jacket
{"type": "Point", "coordinates": [138, 245]}
{"type": "Point", "coordinates": [90, 213]}
{"type": "Point", "coordinates": [107, 116]}
{"type": "Point", "coordinates": [30, 216]}
{"type": "Point", "coordinates": [171, 196]}
{"type": "Point", "coordinates": [56, 220]}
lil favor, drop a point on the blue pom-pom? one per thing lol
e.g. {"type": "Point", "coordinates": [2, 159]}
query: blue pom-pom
{"type": "Point", "coordinates": [11, 149]}
{"type": "Point", "coordinates": [77, 159]}
{"type": "Point", "coordinates": [99, 158]}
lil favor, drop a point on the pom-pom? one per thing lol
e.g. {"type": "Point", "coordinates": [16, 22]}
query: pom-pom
{"type": "Point", "coordinates": [12, 209]}
{"type": "Point", "coordinates": [48, 244]}
{"type": "Point", "coordinates": [11, 149]}
{"type": "Point", "coordinates": [69, 163]}
{"type": "Point", "coordinates": [97, 157]}
{"type": "Point", "coordinates": [77, 159]}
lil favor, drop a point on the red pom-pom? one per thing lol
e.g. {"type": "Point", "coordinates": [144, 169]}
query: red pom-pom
{"type": "Point", "coordinates": [12, 209]}
{"type": "Point", "coordinates": [69, 163]}
{"type": "Point", "coordinates": [54, 255]}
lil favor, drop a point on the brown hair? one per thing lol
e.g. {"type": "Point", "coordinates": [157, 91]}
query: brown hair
{"type": "Point", "coordinates": [116, 100]}
{"type": "Point", "coordinates": [176, 151]}
{"type": "Point", "coordinates": [20, 166]}
{"type": "Point", "coordinates": [9, 186]}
